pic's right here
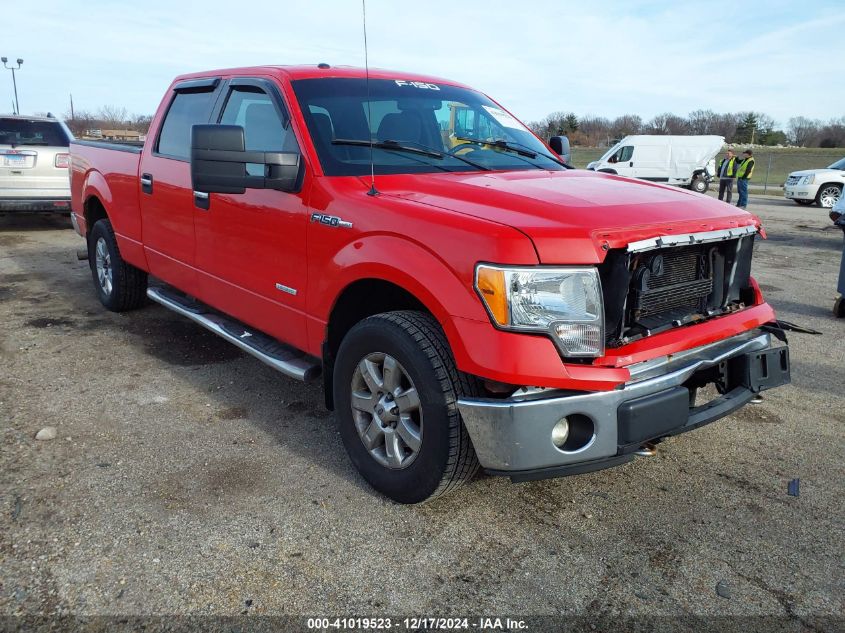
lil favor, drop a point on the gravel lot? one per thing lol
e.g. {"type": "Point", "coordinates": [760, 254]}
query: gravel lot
{"type": "Point", "coordinates": [189, 478]}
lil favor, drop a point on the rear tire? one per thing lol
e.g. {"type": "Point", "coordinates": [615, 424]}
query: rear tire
{"type": "Point", "coordinates": [386, 356]}
{"type": "Point", "coordinates": [839, 307]}
{"type": "Point", "coordinates": [120, 286]}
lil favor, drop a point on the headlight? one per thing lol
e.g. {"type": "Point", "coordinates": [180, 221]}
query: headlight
{"type": "Point", "coordinates": [565, 303]}
{"type": "Point", "coordinates": [808, 180]}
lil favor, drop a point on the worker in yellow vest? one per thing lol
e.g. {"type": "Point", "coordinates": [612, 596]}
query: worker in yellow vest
{"type": "Point", "coordinates": [743, 175]}
{"type": "Point", "coordinates": [727, 175]}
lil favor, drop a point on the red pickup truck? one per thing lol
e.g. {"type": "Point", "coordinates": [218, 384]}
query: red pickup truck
{"type": "Point", "coordinates": [468, 298]}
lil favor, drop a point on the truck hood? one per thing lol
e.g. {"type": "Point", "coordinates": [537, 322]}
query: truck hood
{"type": "Point", "coordinates": [571, 216]}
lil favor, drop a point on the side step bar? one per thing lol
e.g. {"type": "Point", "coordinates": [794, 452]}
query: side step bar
{"type": "Point", "coordinates": [284, 358]}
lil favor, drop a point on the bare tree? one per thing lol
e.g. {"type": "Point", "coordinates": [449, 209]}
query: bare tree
{"type": "Point", "coordinates": [702, 122]}
{"type": "Point", "coordinates": [802, 131]}
{"type": "Point", "coordinates": [113, 116]}
{"type": "Point", "coordinates": [667, 123]}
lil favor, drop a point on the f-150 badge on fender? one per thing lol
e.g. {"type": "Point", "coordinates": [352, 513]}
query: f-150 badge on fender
{"type": "Point", "coordinates": [330, 220]}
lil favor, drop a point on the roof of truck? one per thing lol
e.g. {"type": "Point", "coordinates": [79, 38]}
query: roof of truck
{"type": "Point", "coordinates": [317, 71]}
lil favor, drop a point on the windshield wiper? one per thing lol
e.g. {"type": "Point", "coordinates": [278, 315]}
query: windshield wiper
{"type": "Point", "coordinates": [512, 146]}
{"type": "Point", "coordinates": [395, 145]}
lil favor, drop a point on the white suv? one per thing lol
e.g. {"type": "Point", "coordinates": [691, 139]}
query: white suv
{"type": "Point", "coordinates": [34, 160]}
{"type": "Point", "coordinates": [822, 186]}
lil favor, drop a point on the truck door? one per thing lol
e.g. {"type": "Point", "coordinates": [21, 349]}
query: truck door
{"type": "Point", "coordinates": [250, 253]}
{"type": "Point", "coordinates": [621, 161]}
{"type": "Point", "coordinates": [651, 162]}
{"type": "Point", "coordinates": [167, 201]}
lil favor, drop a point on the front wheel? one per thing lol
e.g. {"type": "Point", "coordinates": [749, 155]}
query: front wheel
{"type": "Point", "coordinates": [803, 203]}
{"type": "Point", "coordinates": [828, 195]}
{"type": "Point", "coordinates": [700, 184]}
{"type": "Point", "coordinates": [120, 286]}
{"type": "Point", "coordinates": [395, 391]}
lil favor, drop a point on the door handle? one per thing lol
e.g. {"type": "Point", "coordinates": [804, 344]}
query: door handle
{"type": "Point", "coordinates": [201, 200]}
{"type": "Point", "coordinates": [147, 183]}
{"type": "Point", "coordinates": [631, 164]}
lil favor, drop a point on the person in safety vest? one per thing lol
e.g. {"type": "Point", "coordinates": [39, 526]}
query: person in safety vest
{"type": "Point", "coordinates": [743, 175]}
{"type": "Point", "coordinates": [727, 175]}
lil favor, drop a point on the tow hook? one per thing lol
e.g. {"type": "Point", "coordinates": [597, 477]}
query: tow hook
{"type": "Point", "coordinates": [646, 450]}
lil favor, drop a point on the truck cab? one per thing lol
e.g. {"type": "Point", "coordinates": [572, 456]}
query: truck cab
{"type": "Point", "coordinates": [468, 300]}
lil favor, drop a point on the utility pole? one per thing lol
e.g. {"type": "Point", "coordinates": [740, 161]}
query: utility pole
{"type": "Point", "coordinates": [14, 82]}
{"type": "Point", "coordinates": [71, 107]}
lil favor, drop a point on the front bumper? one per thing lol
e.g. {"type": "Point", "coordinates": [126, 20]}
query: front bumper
{"type": "Point", "coordinates": [58, 204]}
{"type": "Point", "coordinates": [513, 437]}
{"type": "Point", "coordinates": [800, 192]}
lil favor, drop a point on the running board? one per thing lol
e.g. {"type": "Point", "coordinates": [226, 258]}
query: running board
{"type": "Point", "coordinates": [284, 358]}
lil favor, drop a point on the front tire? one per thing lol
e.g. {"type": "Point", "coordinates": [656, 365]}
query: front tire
{"type": "Point", "coordinates": [700, 184]}
{"type": "Point", "coordinates": [120, 286]}
{"type": "Point", "coordinates": [803, 203]}
{"type": "Point", "coordinates": [395, 390]}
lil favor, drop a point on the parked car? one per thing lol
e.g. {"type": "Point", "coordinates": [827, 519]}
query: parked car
{"type": "Point", "coordinates": [470, 304]}
{"type": "Point", "coordinates": [822, 186]}
{"type": "Point", "coordinates": [686, 161]}
{"type": "Point", "coordinates": [34, 158]}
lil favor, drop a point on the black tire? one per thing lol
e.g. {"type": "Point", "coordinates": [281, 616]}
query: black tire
{"type": "Point", "coordinates": [128, 287]}
{"type": "Point", "coordinates": [446, 458]}
{"type": "Point", "coordinates": [839, 308]}
{"type": "Point", "coordinates": [699, 184]}
{"type": "Point", "coordinates": [803, 203]}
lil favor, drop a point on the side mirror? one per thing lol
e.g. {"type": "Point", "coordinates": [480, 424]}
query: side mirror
{"type": "Point", "coordinates": [560, 145]}
{"type": "Point", "coordinates": [218, 163]}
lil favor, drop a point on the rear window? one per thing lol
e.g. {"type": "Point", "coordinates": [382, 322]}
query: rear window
{"type": "Point", "coordinates": [26, 132]}
{"type": "Point", "coordinates": [186, 110]}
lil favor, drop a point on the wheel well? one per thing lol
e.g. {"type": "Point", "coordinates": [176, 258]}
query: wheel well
{"type": "Point", "coordinates": [93, 211]}
{"type": "Point", "coordinates": [360, 300]}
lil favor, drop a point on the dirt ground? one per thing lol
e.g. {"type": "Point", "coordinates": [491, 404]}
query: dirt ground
{"type": "Point", "coordinates": [189, 478]}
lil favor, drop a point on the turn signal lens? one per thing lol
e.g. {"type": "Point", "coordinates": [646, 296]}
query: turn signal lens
{"type": "Point", "coordinates": [491, 284]}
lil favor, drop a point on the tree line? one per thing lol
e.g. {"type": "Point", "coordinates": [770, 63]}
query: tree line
{"type": "Point", "coordinates": [737, 127]}
{"type": "Point", "coordinates": [106, 118]}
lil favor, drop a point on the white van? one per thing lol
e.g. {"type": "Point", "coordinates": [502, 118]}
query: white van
{"type": "Point", "coordinates": [686, 161]}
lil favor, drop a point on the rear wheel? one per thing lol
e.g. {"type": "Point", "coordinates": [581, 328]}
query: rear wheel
{"type": "Point", "coordinates": [839, 307]}
{"type": "Point", "coordinates": [828, 195]}
{"type": "Point", "coordinates": [120, 286]}
{"type": "Point", "coordinates": [395, 390]}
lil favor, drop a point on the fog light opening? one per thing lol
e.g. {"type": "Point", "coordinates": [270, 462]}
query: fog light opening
{"type": "Point", "coordinates": [573, 433]}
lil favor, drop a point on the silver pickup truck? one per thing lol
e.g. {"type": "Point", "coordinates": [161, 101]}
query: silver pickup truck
{"type": "Point", "coordinates": [34, 160]}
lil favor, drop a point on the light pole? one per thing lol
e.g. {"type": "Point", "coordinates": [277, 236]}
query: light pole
{"type": "Point", "coordinates": [14, 83]}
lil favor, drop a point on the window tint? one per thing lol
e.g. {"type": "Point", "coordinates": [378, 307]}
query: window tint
{"type": "Point", "coordinates": [186, 110]}
{"type": "Point", "coordinates": [264, 130]}
{"type": "Point", "coordinates": [26, 132]}
{"type": "Point", "coordinates": [343, 115]}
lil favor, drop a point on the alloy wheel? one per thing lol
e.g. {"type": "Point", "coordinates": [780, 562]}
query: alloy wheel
{"type": "Point", "coordinates": [386, 410]}
{"type": "Point", "coordinates": [102, 261]}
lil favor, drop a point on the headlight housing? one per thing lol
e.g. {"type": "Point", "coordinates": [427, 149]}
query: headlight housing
{"type": "Point", "coordinates": [565, 303]}
{"type": "Point", "coordinates": [808, 180]}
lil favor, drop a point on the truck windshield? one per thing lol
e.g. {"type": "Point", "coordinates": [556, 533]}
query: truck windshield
{"type": "Point", "coordinates": [456, 129]}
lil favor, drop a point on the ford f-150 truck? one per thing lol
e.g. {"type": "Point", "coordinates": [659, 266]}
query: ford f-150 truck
{"type": "Point", "coordinates": [467, 298]}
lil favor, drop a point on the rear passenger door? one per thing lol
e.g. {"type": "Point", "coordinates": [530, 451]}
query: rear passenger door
{"type": "Point", "coordinates": [251, 246]}
{"type": "Point", "coordinates": [167, 200]}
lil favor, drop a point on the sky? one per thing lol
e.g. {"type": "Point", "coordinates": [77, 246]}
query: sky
{"type": "Point", "coordinates": [535, 57]}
